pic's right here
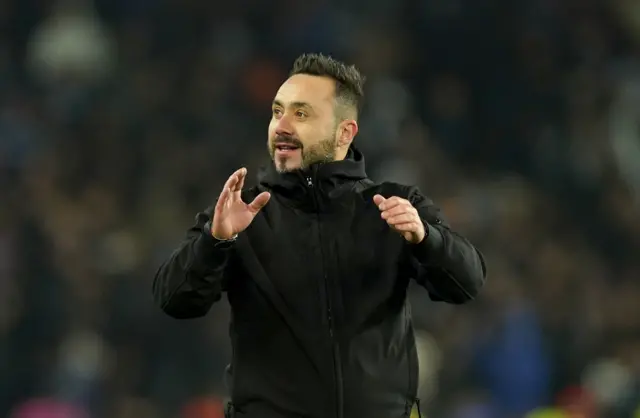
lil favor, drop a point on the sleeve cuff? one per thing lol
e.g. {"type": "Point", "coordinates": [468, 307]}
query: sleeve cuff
{"type": "Point", "coordinates": [430, 246]}
{"type": "Point", "coordinates": [207, 248]}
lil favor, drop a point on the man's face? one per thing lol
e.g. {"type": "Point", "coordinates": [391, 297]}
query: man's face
{"type": "Point", "coordinates": [303, 125]}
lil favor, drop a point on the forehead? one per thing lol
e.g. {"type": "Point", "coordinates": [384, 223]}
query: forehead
{"type": "Point", "coordinates": [317, 91]}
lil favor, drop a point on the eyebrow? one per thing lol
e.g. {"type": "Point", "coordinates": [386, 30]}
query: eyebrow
{"type": "Point", "coordinates": [293, 104]}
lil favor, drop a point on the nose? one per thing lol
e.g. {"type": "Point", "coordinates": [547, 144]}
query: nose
{"type": "Point", "coordinates": [284, 126]}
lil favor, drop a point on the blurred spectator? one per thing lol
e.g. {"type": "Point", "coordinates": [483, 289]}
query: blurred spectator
{"type": "Point", "coordinates": [70, 43]}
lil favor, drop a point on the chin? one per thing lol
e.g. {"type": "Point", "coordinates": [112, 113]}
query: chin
{"type": "Point", "coordinates": [284, 165]}
{"type": "Point", "coordinates": [287, 166]}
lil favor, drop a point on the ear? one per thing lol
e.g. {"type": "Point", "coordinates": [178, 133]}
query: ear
{"type": "Point", "coordinates": [347, 131]}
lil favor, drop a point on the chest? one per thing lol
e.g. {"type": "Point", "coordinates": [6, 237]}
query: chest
{"type": "Point", "coordinates": [309, 262]}
{"type": "Point", "coordinates": [347, 238]}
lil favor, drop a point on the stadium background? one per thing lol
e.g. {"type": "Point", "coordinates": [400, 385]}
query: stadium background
{"type": "Point", "coordinates": [120, 119]}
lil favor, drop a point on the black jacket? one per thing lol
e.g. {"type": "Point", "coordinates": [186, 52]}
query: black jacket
{"type": "Point", "coordinates": [317, 284]}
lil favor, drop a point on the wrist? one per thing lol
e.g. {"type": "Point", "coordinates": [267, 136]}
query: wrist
{"type": "Point", "coordinates": [207, 229]}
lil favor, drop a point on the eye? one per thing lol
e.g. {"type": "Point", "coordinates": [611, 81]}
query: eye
{"type": "Point", "coordinates": [276, 112]}
{"type": "Point", "coordinates": [301, 114]}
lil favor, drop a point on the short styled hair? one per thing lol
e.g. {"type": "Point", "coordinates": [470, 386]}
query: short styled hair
{"type": "Point", "coordinates": [349, 81]}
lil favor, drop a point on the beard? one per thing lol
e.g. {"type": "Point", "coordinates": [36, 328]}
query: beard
{"type": "Point", "coordinates": [320, 152]}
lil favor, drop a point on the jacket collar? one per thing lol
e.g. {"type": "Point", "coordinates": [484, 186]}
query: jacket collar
{"type": "Point", "coordinates": [327, 179]}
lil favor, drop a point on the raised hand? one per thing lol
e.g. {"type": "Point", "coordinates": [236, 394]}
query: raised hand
{"type": "Point", "coordinates": [402, 217]}
{"type": "Point", "coordinates": [231, 215]}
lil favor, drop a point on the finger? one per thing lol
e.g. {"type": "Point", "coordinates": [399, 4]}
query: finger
{"type": "Point", "coordinates": [378, 199]}
{"type": "Point", "coordinates": [392, 202]}
{"type": "Point", "coordinates": [222, 200]}
{"type": "Point", "coordinates": [242, 174]}
{"type": "Point", "coordinates": [402, 219]}
{"type": "Point", "coordinates": [397, 210]}
{"type": "Point", "coordinates": [407, 227]}
{"type": "Point", "coordinates": [259, 202]}
{"type": "Point", "coordinates": [231, 182]}
{"type": "Point", "coordinates": [233, 179]}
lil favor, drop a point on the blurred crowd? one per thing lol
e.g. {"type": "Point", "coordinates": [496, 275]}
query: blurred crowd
{"type": "Point", "coordinates": [120, 119]}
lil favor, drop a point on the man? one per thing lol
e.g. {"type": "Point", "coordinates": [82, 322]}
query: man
{"type": "Point", "coordinates": [316, 265]}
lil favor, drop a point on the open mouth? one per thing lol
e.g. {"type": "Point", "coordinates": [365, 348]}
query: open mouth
{"type": "Point", "coordinates": [286, 147]}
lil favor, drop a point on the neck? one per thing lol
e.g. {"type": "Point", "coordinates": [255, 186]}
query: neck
{"type": "Point", "coordinates": [341, 153]}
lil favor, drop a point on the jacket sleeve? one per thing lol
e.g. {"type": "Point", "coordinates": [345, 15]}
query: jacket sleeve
{"type": "Point", "coordinates": [446, 264]}
{"type": "Point", "coordinates": [188, 283]}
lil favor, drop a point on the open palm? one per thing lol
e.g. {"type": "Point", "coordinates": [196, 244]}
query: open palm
{"type": "Point", "coordinates": [231, 215]}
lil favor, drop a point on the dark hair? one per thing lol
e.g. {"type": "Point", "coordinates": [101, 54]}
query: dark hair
{"type": "Point", "coordinates": [349, 81]}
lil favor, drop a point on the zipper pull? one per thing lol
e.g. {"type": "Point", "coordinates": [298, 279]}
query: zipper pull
{"type": "Point", "coordinates": [309, 182]}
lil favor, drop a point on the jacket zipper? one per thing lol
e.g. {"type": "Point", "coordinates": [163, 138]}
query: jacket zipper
{"type": "Point", "coordinates": [334, 345]}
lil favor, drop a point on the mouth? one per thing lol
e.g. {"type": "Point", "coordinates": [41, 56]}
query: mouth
{"type": "Point", "coordinates": [285, 149]}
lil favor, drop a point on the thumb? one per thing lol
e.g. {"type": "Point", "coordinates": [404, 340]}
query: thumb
{"type": "Point", "coordinates": [259, 202]}
{"type": "Point", "coordinates": [378, 199]}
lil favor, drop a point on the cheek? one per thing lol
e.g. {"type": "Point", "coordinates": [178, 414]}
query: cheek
{"type": "Point", "coordinates": [311, 135]}
{"type": "Point", "coordinates": [271, 131]}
